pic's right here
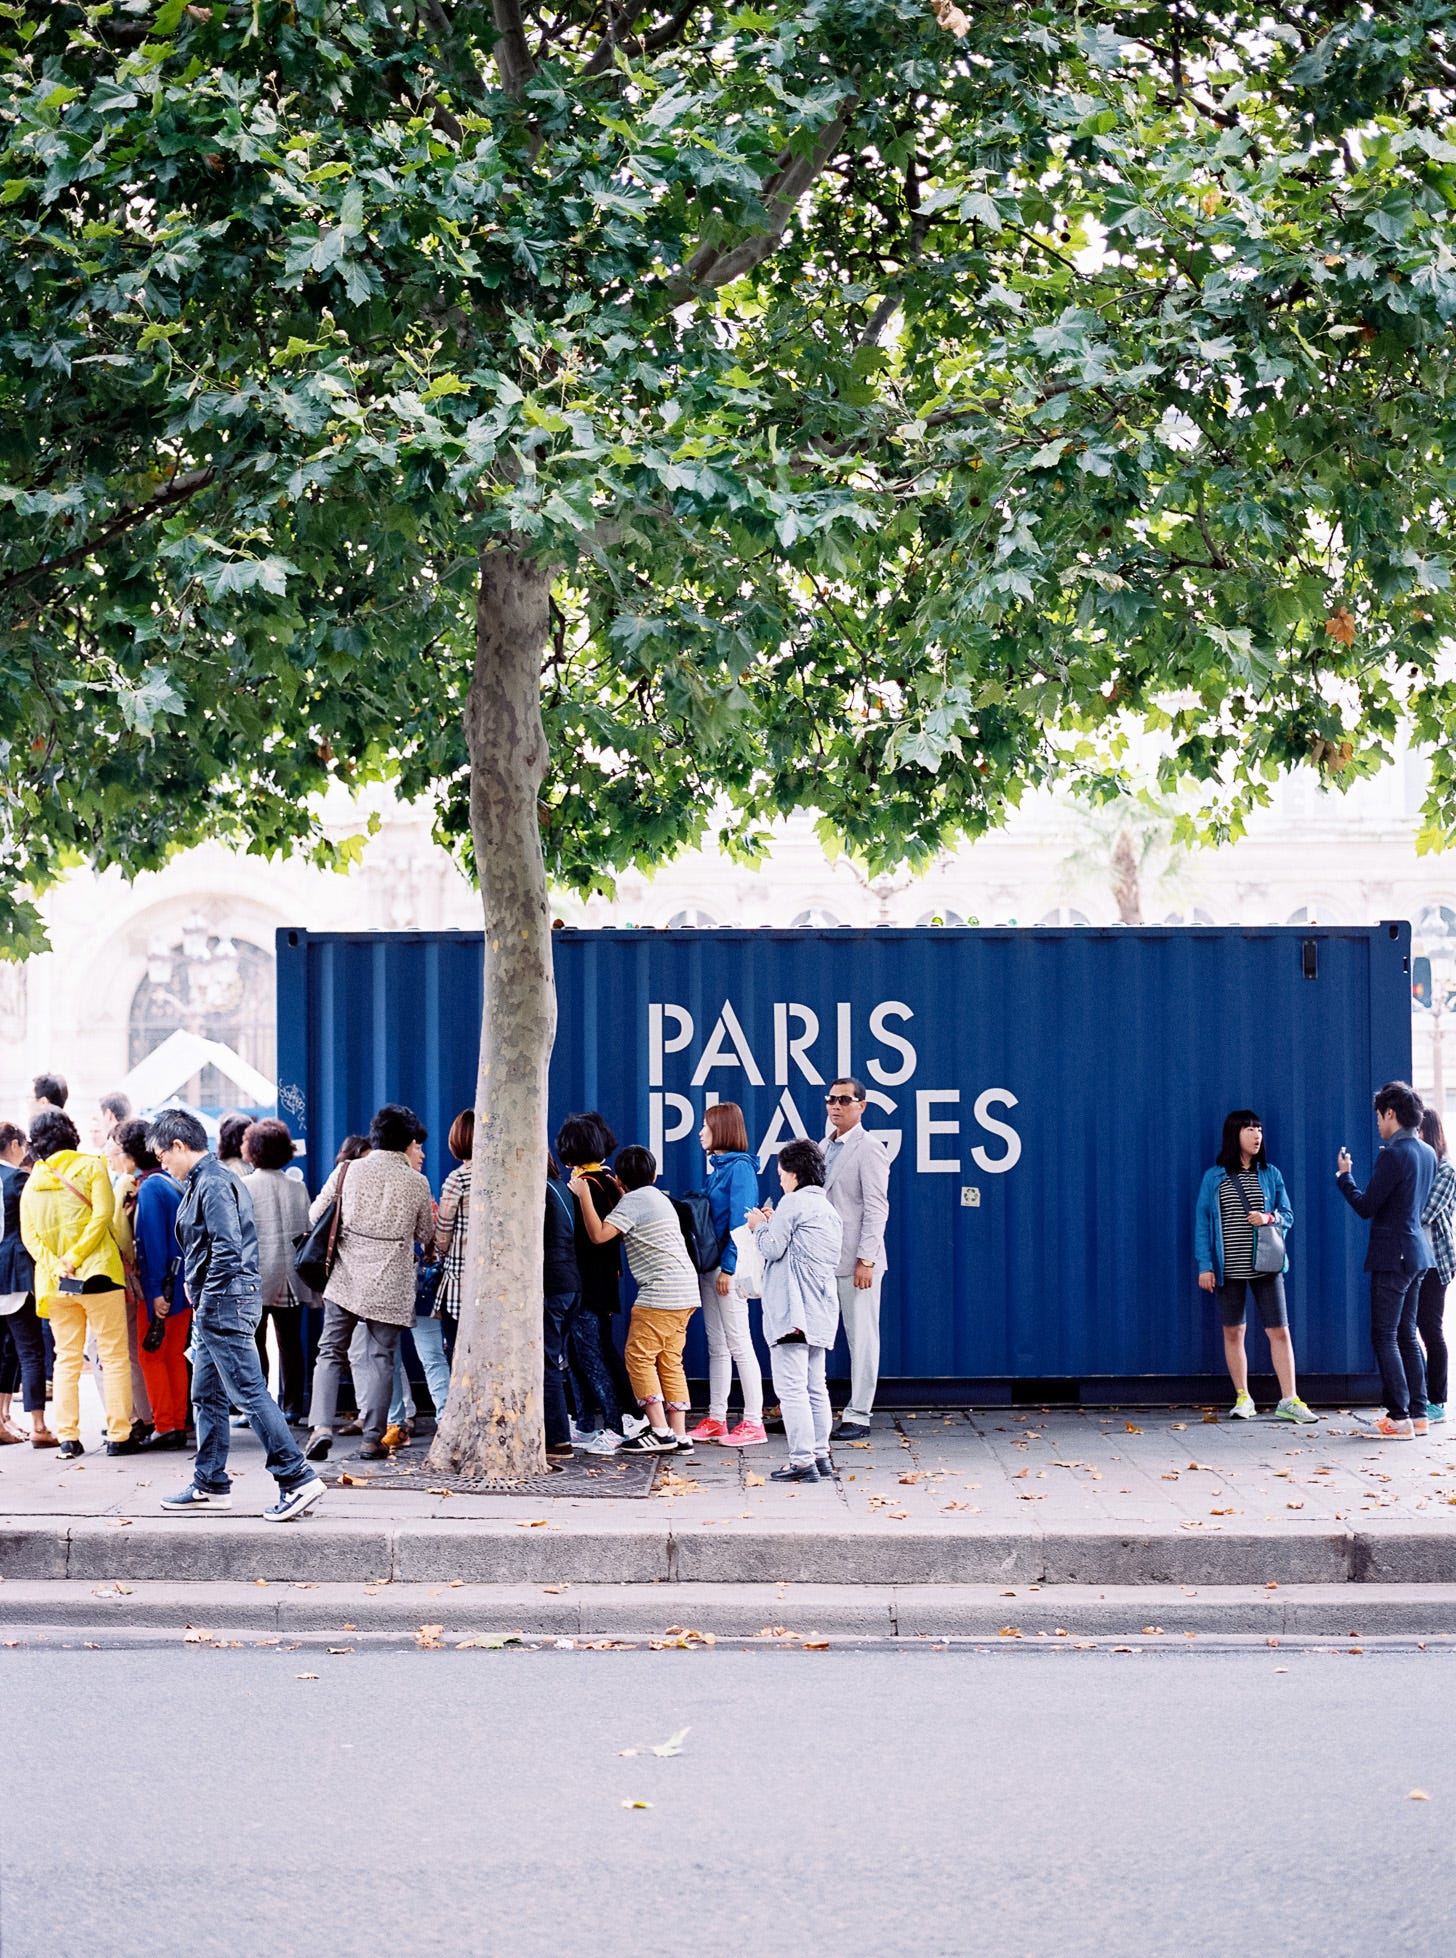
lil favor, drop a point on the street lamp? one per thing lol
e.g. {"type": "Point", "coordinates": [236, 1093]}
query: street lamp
{"type": "Point", "coordinates": [1433, 985]}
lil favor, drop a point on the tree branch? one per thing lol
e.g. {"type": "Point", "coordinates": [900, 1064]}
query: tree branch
{"type": "Point", "coordinates": [709, 268]}
{"type": "Point", "coordinates": [178, 491]}
{"type": "Point", "coordinates": [512, 50]}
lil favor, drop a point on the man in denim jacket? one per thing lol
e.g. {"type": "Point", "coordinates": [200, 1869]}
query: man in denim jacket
{"type": "Point", "coordinates": [219, 1243]}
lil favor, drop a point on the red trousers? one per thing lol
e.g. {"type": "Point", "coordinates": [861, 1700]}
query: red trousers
{"type": "Point", "coordinates": [165, 1373]}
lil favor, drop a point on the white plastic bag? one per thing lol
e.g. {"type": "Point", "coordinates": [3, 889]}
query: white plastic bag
{"type": "Point", "coordinates": [748, 1277]}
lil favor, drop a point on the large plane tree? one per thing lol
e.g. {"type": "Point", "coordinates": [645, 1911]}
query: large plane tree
{"type": "Point", "coordinates": [628, 422]}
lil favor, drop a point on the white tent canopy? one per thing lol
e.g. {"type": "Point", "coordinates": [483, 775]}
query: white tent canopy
{"type": "Point", "coordinates": [168, 1068]}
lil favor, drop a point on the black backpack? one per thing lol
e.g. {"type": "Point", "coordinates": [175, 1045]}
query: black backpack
{"type": "Point", "coordinates": [695, 1214]}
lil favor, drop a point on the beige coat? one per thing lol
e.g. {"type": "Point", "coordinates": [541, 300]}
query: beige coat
{"type": "Point", "coordinates": [386, 1211]}
{"type": "Point", "coordinates": [280, 1212]}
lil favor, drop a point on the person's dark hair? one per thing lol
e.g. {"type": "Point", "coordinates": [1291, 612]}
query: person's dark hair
{"type": "Point", "coordinates": [176, 1125]}
{"type": "Point", "coordinates": [1433, 1130]}
{"type": "Point", "coordinates": [9, 1133]}
{"type": "Point", "coordinates": [51, 1088]}
{"type": "Point", "coordinates": [230, 1132]}
{"type": "Point", "coordinates": [268, 1144]}
{"type": "Point", "coordinates": [1230, 1155]}
{"type": "Point", "coordinates": [462, 1136]}
{"type": "Point", "coordinates": [351, 1149]}
{"type": "Point", "coordinates": [1400, 1099]}
{"type": "Point", "coordinates": [421, 1134]}
{"type": "Point", "coordinates": [131, 1139]}
{"type": "Point", "coordinates": [584, 1139]}
{"type": "Point", "coordinates": [394, 1127]}
{"type": "Point", "coordinates": [852, 1082]}
{"type": "Point", "coordinates": [724, 1122]}
{"type": "Point", "coordinates": [636, 1167]}
{"type": "Point", "coordinates": [553, 1168]}
{"type": "Point", "coordinates": [116, 1105]}
{"type": "Point", "coordinates": [805, 1160]}
{"type": "Point", "coordinates": [50, 1131]}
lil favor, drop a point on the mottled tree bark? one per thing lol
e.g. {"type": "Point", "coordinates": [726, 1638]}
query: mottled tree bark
{"type": "Point", "coordinates": [493, 1421]}
{"type": "Point", "coordinates": [1126, 883]}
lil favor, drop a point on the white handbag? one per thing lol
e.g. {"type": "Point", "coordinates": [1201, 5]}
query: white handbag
{"type": "Point", "coordinates": [11, 1302]}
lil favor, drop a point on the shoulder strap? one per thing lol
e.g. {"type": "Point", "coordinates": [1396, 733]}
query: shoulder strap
{"type": "Point", "coordinates": [555, 1189]}
{"type": "Point", "coordinates": [80, 1194]}
{"type": "Point", "coordinates": [338, 1216]}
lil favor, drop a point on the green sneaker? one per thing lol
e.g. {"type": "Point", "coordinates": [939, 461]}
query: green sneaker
{"type": "Point", "coordinates": [1243, 1409]}
{"type": "Point", "coordinates": [1294, 1409]}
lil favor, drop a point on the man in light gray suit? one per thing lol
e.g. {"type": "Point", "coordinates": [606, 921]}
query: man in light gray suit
{"type": "Point", "coordinates": [857, 1181]}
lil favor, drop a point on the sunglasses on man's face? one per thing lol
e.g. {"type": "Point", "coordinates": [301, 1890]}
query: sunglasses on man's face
{"type": "Point", "coordinates": [840, 1101]}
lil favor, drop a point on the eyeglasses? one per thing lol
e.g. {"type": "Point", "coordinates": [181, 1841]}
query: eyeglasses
{"type": "Point", "coordinates": [840, 1101]}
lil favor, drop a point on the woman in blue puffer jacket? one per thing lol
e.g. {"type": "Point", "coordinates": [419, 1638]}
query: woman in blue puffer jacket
{"type": "Point", "coordinates": [732, 1193]}
{"type": "Point", "coordinates": [1237, 1198]}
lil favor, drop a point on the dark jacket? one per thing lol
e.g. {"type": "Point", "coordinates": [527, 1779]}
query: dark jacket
{"type": "Point", "coordinates": [157, 1202]}
{"type": "Point", "coordinates": [562, 1274]}
{"type": "Point", "coordinates": [17, 1266]}
{"type": "Point", "coordinates": [218, 1236]}
{"type": "Point", "coordinates": [1393, 1201]}
{"type": "Point", "coordinates": [600, 1265]}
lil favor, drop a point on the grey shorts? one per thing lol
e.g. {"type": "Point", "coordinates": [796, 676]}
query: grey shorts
{"type": "Point", "coordinates": [1268, 1297]}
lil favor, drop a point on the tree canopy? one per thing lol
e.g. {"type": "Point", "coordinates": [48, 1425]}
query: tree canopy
{"type": "Point", "coordinates": [900, 399]}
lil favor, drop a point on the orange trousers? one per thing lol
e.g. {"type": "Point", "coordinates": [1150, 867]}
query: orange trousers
{"type": "Point", "coordinates": [165, 1373]}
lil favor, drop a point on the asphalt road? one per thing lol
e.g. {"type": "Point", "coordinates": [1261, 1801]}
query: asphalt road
{"type": "Point", "coordinates": [824, 1803]}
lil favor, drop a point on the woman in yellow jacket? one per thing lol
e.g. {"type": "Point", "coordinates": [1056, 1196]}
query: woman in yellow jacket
{"type": "Point", "coordinates": [66, 1223]}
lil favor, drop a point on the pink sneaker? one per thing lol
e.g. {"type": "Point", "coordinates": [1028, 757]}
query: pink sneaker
{"type": "Point", "coordinates": [709, 1430]}
{"type": "Point", "coordinates": [746, 1435]}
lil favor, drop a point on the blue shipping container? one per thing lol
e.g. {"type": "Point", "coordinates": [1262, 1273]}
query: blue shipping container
{"type": "Point", "coordinates": [1050, 1098]}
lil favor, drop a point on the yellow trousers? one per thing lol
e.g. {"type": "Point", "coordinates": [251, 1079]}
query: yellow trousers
{"type": "Point", "coordinates": [105, 1313]}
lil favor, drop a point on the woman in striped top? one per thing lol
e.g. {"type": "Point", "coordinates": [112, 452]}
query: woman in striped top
{"type": "Point", "coordinates": [1431, 1309]}
{"type": "Point", "coordinates": [1242, 1192]}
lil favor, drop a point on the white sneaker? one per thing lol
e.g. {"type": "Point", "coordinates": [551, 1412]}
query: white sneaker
{"type": "Point", "coordinates": [1243, 1409]}
{"type": "Point", "coordinates": [633, 1425]}
{"type": "Point", "coordinates": [580, 1436]}
{"type": "Point", "coordinates": [607, 1442]}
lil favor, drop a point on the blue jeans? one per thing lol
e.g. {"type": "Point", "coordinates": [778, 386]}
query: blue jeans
{"type": "Point", "coordinates": [1394, 1298]}
{"type": "Point", "coordinates": [555, 1333]}
{"type": "Point", "coordinates": [429, 1338]}
{"type": "Point", "coordinates": [225, 1372]}
{"type": "Point", "coordinates": [587, 1335]}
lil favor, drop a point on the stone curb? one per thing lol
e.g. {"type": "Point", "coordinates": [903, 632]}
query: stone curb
{"type": "Point", "coordinates": [325, 1549]}
{"type": "Point", "coordinates": [1062, 1615]}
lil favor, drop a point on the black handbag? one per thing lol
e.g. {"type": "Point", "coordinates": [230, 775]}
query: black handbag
{"type": "Point", "coordinates": [315, 1258]}
{"type": "Point", "coordinates": [427, 1287]}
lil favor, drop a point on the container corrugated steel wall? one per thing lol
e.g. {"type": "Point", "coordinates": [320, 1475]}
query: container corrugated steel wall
{"type": "Point", "coordinates": [1053, 1098]}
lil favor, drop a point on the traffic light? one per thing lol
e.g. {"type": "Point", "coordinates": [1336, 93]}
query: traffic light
{"type": "Point", "coordinates": [1421, 981]}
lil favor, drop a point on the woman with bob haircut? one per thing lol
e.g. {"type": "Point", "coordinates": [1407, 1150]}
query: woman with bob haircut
{"type": "Point", "coordinates": [598, 1371]}
{"type": "Point", "coordinates": [1237, 1197]}
{"type": "Point", "coordinates": [732, 1193]}
{"type": "Point", "coordinates": [800, 1244]}
{"type": "Point", "coordinates": [280, 1210]}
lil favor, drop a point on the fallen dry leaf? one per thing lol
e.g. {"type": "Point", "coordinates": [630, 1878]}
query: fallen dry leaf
{"type": "Point", "coordinates": [555, 1590]}
{"type": "Point", "coordinates": [348, 1481]}
{"type": "Point", "coordinates": [664, 1750]}
{"type": "Point", "coordinates": [339, 1651]}
{"type": "Point", "coordinates": [753, 1481]}
{"type": "Point", "coordinates": [261, 1582]}
{"type": "Point", "coordinates": [1418, 1795]}
{"type": "Point", "coordinates": [1009, 1631]}
{"type": "Point", "coordinates": [194, 1635]}
{"type": "Point", "coordinates": [1131, 1427]}
{"type": "Point", "coordinates": [305, 1675]}
{"type": "Point", "coordinates": [1210, 1419]}
{"type": "Point", "coordinates": [638, 1804]}
{"type": "Point", "coordinates": [428, 1637]}
{"type": "Point", "coordinates": [489, 1642]}
{"type": "Point", "coordinates": [816, 1645]}
{"type": "Point", "coordinates": [918, 1475]}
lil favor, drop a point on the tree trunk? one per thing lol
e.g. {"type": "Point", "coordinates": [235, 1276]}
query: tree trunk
{"type": "Point", "coordinates": [493, 1420]}
{"type": "Point", "coordinates": [1126, 888]}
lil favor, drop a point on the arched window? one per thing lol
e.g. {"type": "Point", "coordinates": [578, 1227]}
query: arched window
{"type": "Point", "coordinates": [944, 916]}
{"type": "Point", "coordinates": [1064, 915]}
{"type": "Point", "coordinates": [1312, 914]}
{"type": "Point", "coordinates": [1194, 917]}
{"type": "Point", "coordinates": [816, 915]}
{"type": "Point", "coordinates": [219, 987]}
{"type": "Point", "coordinates": [692, 921]}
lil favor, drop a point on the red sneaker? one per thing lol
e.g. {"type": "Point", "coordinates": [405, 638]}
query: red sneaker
{"type": "Point", "coordinates": [708, 1430]}
{"type": "Point", "coordinates": [1393, 1430]}
{"type": "Point", "coordinates": [748, 1434]}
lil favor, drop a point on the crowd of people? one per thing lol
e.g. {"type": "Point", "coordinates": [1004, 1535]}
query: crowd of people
{"type": "Point", "coordinates": [100, 1259]}
{"type": "Point", "coordinates": [176, 1270]}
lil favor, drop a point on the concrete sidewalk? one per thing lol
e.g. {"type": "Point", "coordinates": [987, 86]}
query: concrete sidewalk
{"type": "Point", "coordinates": [1098, 1498]}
